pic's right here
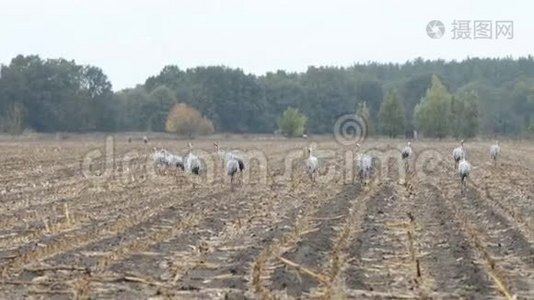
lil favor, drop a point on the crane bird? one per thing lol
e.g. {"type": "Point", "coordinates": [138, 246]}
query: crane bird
{"type": "Point", "coordinates": [192, 163]}
{"type": "Point", "coordinates": [160, 158]}
{"type": "Point", "coordinates": [145, 139]}
{"type": "Point", "coordinates": [231, 161]}
{"type": "Point", "coordinates": [364, 163]}
{"type": "Point", "coordinates": [226, 156]}
{"type": "Point", "coordinates": [406, 155]}
{"type": "Point", "coordinates": [232, 167]}
{"type": "Point", "coordinates": [464, 168]}
{"type": "Point", "coordinates": [163, 158]}
{"type": "Point", "coordinates": [494, 152]}
{"type": "Point", "coordinates": [459, 152]}
{"type": "Point", "coordinates": [365, 166]}
{"type": "Point", "coordinates": [175, 161]}
{"type": "Point", "coordinates": [312, 165]}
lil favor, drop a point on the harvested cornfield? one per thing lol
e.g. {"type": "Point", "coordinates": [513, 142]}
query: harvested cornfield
{"type": "Point", "coordinates": [94, 219]}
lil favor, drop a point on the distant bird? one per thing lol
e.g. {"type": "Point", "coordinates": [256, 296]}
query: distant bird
{"type": "Point", "coordinates": [160, 158]}
{"type": "Point", "coordinates": [365, 166]}
{"type": "Point", "coordinates": [406, 155]}
{"type": "Point", "coordinates": [459, 152]}
{"type": "Point", "coordinates": [227, 156]}
{"type": "Point", "coordinates": [192, 163]}
{"type": "Point", "coordinates": [232, 167]}
{"type": "Point", "coordinates": [312, 165]}
{"type": "Point", "coordinates": [164, 159]}
{"type": "Point", "coordinates": [175, 161]}
{"type": "Point", "coordinates": [129, 139]}
{"type": "Point", "coordinates": [304, 136]}
{"type": "Point", "coordinates": [364, 162]}
{"type": "Point", "coordinates": [145, 139]}
{"type": "Point", "coordinates": [495, 150]}
{"type": "Point", "coordinates": [464, 168]}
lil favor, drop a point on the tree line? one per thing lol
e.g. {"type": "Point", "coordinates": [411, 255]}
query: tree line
{"type": "Point", "coordinates": [438, 98]}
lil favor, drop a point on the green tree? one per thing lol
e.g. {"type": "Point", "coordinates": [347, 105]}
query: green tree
{"type": "Point", "coordinates": [365, 114]}
{"type": "Point", "coordinates": [131, 116]}
{"type": "Point", "coordinates": [432, 113]}
{"type": "Point", "coordinates": [161, 100]}
{"type": "Point", "coordinates": [531, 129]}
{"type": "Point", "coordinates": [391, 114]}
{"type": "Point", "coordinates": [457, 116]}
{"type": "Point", "coordinates": [57, 94]}
{"type": "Point", "coordinates": [327, 94]}
{"type": "Point", "coordinates": [412, 91]}
{"type": "Point", "coordinates": [292, 123]}
{"type": "Point", "coordinates": [370, 91]}
{"type": "Point", "coordinates": [13, 119]}
{"type": "Point", "coordinates": [470, 116]}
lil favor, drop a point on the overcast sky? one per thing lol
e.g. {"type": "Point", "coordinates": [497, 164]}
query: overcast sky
{"type": "Point", "coordinates": [131, 40]}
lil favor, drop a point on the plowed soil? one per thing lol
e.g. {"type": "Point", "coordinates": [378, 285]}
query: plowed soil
{"type": "Point", "coordinates": [133, 232]}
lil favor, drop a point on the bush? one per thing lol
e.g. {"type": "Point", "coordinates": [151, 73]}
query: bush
{"type": "Point", "coordinates": [185, 120]}
{"type": "Point", "coordinates": [292, 123]}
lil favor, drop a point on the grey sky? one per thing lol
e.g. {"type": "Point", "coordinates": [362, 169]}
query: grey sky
{"type": "Point", "coordinates": [131, 40]}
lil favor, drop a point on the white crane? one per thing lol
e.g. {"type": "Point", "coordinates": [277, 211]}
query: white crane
{"type": "Point", "coordinates": [163, 158]}
{"type": "Point", "coordinates": [365, 166]}
{"type": "Point", "coordinates": [227, 155]}
{"type": "Point", "coordinates": [312, 165]}
{"type": "Point", "coordinates": [160, 158]}
{"type": "Point", "coordinates": [175, 161]}
{"type": "Point", "coordinates": [232, 167]}
{"type": "Point", "coordinates": [364, 162]}
{"type": "Point", "coordinates": [192, 163]}
{"type": "Point", "coordinates": [464, 168]}
{"type": "Point", "coordinates": [406, 155]}
{"type": "Point", "coordinates": [231, 161]}
{"type": "Point", "coordinates": [459, 152]}
{"type": "Point", "coordinates": [495, 150]}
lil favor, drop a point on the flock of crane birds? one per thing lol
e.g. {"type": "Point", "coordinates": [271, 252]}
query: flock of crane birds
{"type": "Point", "coordinates": [234, 163]}
{"type": "Point", "coordinates": [464, 167]}
{"type": "Point", "coordinates": [365, 162]}
{"type": "Point", "coordinates": [191, 164]}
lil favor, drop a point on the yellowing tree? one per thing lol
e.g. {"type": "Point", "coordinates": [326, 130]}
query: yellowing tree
{"type": "Point", "coordinates": [186, 120]}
